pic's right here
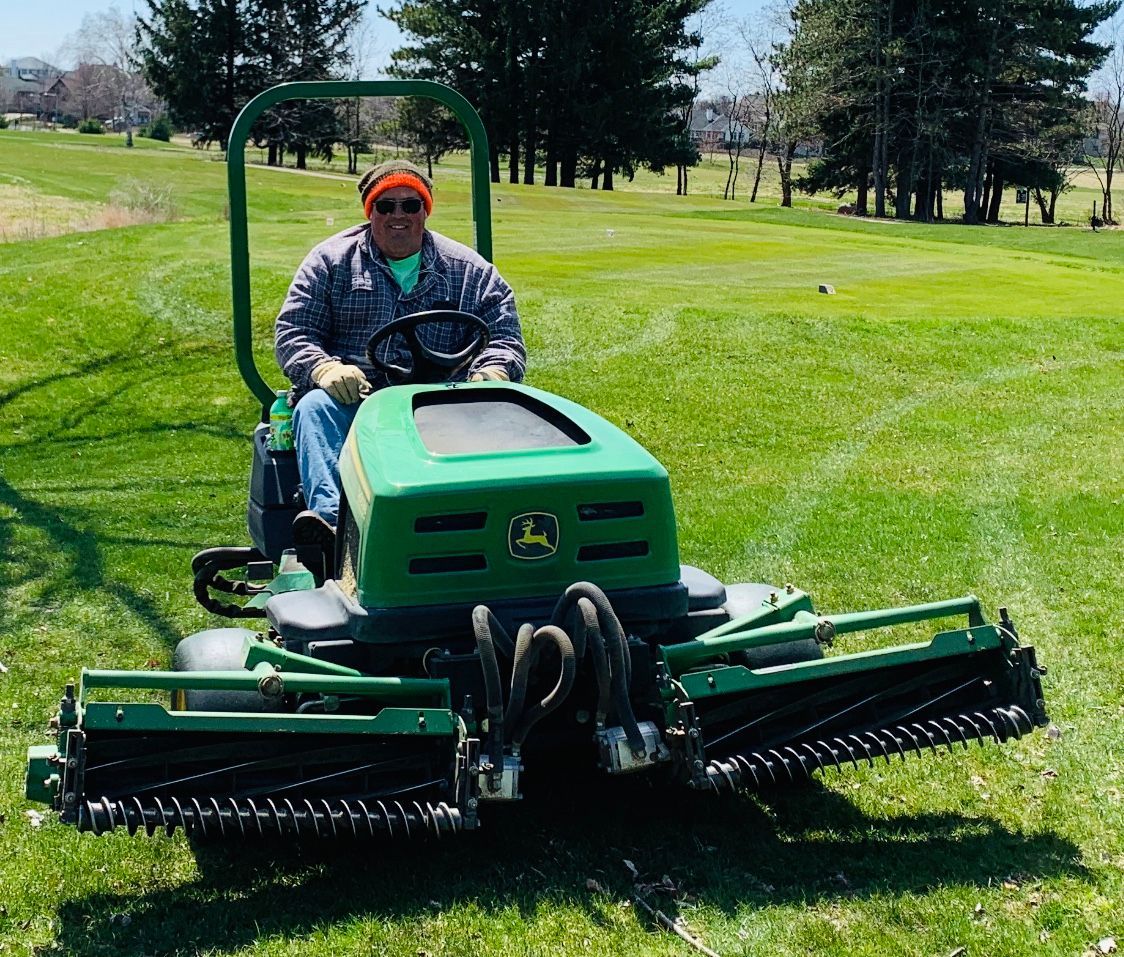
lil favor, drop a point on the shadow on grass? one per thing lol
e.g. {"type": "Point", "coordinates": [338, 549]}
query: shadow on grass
{"type": "Point", "coordinates": [728, 854]}
{"type": "Point", "coordinates": [69, 562]}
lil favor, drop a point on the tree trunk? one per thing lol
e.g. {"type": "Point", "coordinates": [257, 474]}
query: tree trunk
{"type": "Point", "coordinates": [903, 198]}
{"type": "Point", "coordinates": [785, 167]}
{"type": "Point", "coordinates": [513, 159]}
{"type": "Point", "coordinates": [568, 169]}
{"type": "Point", "coordinates": [1043, 210]}
{"type": "Point", "coordinates": [985, 196]}
{"type": "Point", "coordinates": [595, 176]}
{"type": "Point", "coordinates": [607, 179]}
{"type": "Point", "coordinates": [863, 196]}
{"type": "Point", "coordinates": [494, 162]}
{"type": "Point", "coordinates": [978, 156]}
{"type": "Point", "coordinates": [940, 199]}
{"type": "Point", "coordinates": [529, 151]}
{"type": "Point", "coordinates": [996, 198]}
{"type": "Point", "coordinates": [272, 155]}
{"type": "Point", "coordinates": [302, 153]}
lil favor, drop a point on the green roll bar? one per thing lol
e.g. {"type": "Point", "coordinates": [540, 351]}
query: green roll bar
{"type": "Point", "coordinates": [236, 187]}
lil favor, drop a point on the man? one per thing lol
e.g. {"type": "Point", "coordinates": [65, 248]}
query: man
{"type": "Point", "coordinates": [353, 284]}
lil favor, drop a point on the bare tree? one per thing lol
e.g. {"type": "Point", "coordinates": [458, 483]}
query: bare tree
{"type": "Point", "coordinates": [105, 53]}
{"type": "Point", "coordinates": [759, 41]}
{"type": "Point", "coordinates": [1106, 153]}
{"type": "Point", "coordinates": [359, 120]}
{"type": "Point", "coordinates": [703, 58]}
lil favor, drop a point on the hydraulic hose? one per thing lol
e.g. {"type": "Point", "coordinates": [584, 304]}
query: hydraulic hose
{"type": "Point", "coordinates": [616, 644]}
{"type": "Point", "coordinates": [499, 636]}
{"type": "Point", "coordinates": [520, 676]}
{"type": "Point", "coordinates": [482, 622]}
{"type": "Point", "coordinates": [586, 623]}
{"type": "Point", "coordinates": [566, 675]}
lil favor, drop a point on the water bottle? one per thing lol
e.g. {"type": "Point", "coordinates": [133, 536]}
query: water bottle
{"type": "Point", "coordinates": [281, 424]}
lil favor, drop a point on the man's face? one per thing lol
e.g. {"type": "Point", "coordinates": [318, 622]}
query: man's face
{"type": "Point", "coordinates": [398, 234]}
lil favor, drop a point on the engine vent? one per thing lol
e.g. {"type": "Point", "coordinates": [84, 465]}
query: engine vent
{"type": "Point", "coordinates": [599, 553]}
{"type": "Point", "coordinates": [462, 522]}
{"type": "Point", "coordinates": [606, 510]}
{"type": "Point", "coordinates": [440, 564]}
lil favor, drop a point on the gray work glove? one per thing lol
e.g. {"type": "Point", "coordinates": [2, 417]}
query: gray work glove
{"type": "Point", "coordinates": [344, 383]}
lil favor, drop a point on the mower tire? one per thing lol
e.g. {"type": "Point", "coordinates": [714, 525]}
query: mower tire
{"type": "Point", "coordinates": [746, 598]}
{"type": "Point", "coordinates": [217, 649]}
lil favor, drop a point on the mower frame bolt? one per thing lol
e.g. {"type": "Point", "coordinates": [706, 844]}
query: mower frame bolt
{"type": "Point", "coordinates": [472, 804]}
{"type": "Point", "coordinates": [698, 766]}
{"type": "Point", "coordinates": [773, 597]}
{"type": "Point", "coordinates": [69, 798]}
{"type": "Point", "coordinates": [789, 588]}
{"type": "Point", "coordinates": [72, 763]}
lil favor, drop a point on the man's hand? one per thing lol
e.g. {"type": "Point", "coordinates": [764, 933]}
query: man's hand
{"type": "Point", "coordinates": [344, 383]}
{"type": "Point", "coordinates": [489, 373]}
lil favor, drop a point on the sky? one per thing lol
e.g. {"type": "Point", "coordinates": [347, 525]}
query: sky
{"type": "Point", "coordinates": [26, 31]}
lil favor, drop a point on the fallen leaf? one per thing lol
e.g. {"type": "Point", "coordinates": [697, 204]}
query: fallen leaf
{"type": "Point", "coordinates": [1053, 732]}
{"type": "Point", "coordinates": [1049, 773]}
{"type": "Point", "coordinates": [978, 910]}
{"type": "Point", "coordinates": [152, 664]}
{"type": "Point", "coordinates": [592, 885]}
{"type": "Point", "coordinates": [959, 952]}
{"type": "Point", "coordinates": [633, 872]}
{"type": "Point", "coordinates": [1106, 945]}
{"type": "Point", "coordinates": [120, 920]}
{"type": "Point", "coordinates": [1043, 936]}
{"type": "Point", "coordinates": [35, 819]}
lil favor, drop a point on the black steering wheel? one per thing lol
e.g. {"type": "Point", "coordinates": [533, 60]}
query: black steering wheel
{"type": "Point", "coordinates": [429, 365]}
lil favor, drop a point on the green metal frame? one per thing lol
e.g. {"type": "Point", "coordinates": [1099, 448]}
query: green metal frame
{"type": "Point", "coordinates": [236, 185]}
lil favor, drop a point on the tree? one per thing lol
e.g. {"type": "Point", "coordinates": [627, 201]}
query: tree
{"type": "Point", "coordinates": [920, 96]}
{"type": "Point", "coordinates": [208, 58]}
{"type": "Point", "coordinates": [108, 77]}
{"type": "Point", "coordinates": [1106, 122]}
{"type": "Point", "coordinates": [593, 86]}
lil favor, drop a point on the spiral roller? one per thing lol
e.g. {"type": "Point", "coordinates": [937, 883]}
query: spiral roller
{"type": "Point", "coordinates": [790, 763]}
{"type": "Point", "coordinates": [231, 817]}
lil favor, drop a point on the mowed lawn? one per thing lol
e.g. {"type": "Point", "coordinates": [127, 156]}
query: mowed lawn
{"type": "Point", "coordinates": [950, 421]}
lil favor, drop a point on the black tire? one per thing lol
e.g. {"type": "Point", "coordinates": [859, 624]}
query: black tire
{"type": "Point", "coordinates": [745, 598]}
{"type": "Point", "coordinates": [218, 649]}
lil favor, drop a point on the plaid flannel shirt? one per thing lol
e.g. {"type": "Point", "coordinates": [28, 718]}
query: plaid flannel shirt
{"type": "Point", "coordinates": [344, 291]}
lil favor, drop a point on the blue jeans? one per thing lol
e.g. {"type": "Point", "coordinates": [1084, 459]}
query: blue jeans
{"type": "Point", "coordinates": [320, 426]}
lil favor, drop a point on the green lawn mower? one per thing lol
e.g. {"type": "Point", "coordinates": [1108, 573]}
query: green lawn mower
{"type": "Point", "coordinates": [505, 596]}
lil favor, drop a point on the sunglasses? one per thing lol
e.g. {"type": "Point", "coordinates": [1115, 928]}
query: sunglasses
{"type": "Point", "coordinates": [385, 207]}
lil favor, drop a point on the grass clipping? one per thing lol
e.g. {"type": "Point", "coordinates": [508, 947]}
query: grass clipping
{"type": "Point", "coordinates": [26, 214]}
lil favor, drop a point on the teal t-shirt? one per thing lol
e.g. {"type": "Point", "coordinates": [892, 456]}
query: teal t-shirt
{"type": "Point", "coordinates": [405, 271]}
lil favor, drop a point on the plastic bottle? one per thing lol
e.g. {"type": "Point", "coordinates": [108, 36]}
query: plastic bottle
{"type": "Point", "coordinates": [281, 424]}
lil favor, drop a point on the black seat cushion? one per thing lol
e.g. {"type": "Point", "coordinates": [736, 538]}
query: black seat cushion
{"type": "Point", "coordinates": [704, 591]}
{"type": "Point", "coordinates": [316, 614]}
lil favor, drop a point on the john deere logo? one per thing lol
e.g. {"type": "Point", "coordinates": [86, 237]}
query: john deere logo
{"type": "Point", "coordinates": [533, 535]}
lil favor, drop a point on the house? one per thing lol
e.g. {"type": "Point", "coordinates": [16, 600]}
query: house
{"type": "Point", "coordinates": [711, 131]}
{"type": "Point", "coordinates": [32, 68]}
{"type": "Point", "coordinates": [18, 95]}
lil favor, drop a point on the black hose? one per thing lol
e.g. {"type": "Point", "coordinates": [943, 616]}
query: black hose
{"type": "Point", "coordinates": [566, 675]}
{"type": "Point", "coordinates": [620, 658]}
{"type": "Point", "coordinates": [208, 577]}
{"type": "Point", "coordinates": [482, 620]}
{"type": "Point", "coordinates": [520, 676]}
{"type": "Point", "coordinates": [499, 635]}
{"type": "Point", "coordinates": [586, 621]}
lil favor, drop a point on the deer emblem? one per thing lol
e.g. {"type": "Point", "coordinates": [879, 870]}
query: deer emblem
{"type": "Point", "coordinates": [534, 542]}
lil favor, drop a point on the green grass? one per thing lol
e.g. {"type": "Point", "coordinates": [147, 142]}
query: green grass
{"type": "Point", "coordinates": [950, 421]}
